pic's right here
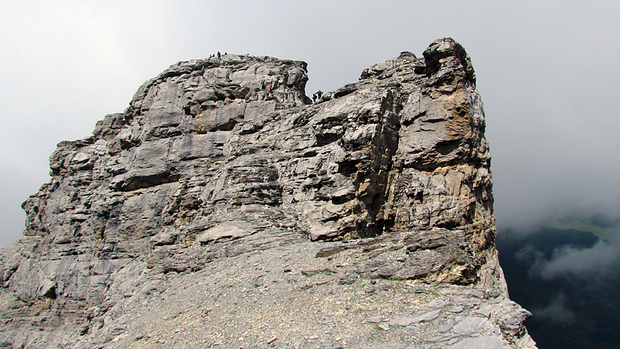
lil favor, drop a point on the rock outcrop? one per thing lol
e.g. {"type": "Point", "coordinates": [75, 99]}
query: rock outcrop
{"type": "Point", "coordinates": [223, 207]}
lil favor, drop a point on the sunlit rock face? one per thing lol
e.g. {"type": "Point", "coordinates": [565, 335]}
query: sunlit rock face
{"type": "Point", "coordinates": [222, 159]}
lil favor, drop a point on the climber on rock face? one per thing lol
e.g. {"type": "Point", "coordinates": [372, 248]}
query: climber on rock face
{"type": "Point", "coordinates": [314, 98]}
{"type": "Point", "coordinates": [319, 93]}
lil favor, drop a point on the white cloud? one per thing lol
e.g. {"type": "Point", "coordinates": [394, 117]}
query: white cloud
{"type": "Point", "coordinates": [598, 261]}
{"type": "Point", "coordinates": [556, 311]}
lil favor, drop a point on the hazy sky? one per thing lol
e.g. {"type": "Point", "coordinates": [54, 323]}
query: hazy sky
{"type": "Point", "coordinates": [547, 72]}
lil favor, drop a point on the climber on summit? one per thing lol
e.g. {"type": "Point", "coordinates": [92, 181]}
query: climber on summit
{"type": "Point", "coordinates": [319, 93]}
{"type": "Point", "coordinates": [219, 55]}
{"type": "Point", "coordinates": [314, 98]}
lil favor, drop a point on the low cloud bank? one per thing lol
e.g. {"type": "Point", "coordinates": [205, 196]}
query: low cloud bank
{"type": "Point", "coordinates": [557, 311]}
{"type": "Point", "coordinates": [601, 260]}
{"type": "Point", "coordinates": [597, 262]}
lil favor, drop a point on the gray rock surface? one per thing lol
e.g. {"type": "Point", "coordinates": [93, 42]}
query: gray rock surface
{"type": "Point", "coordinates": [223, 208]}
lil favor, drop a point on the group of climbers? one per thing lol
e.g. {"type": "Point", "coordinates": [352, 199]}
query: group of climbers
{"type": "Point", "coordinates": [270, 87]}
{"type": "Point", "coordinates": [218, 55]}
{"type": "Point", "coordinates": [317, 95]}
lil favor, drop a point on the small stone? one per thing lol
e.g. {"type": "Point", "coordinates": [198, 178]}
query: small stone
{"type": "Point", "coordinates": [402, 321]}
{"type": "Point", "coordinates": [374, 319]}
{"type": "Point", "coordinates": [430, 316]}
{"type": "Point", "coordinates": [482, 342]}
{"type": "Point", "coordinates": [446, 326]}
{"type": "Point", "coordinates": [470, 325]}
{"type": "Point", "coordinates": [347, 281]}
{"type": "Point", "coordinates": [457, 309]}
{"type": "Point", "coordinates": [492, 293]}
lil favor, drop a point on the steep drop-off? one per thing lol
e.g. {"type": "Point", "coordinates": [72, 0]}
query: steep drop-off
{"type": "Point", "coordinates": [224, 208]}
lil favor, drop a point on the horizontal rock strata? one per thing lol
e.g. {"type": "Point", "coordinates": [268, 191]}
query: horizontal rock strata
{"type": "Point", "coordinates": [380, 189]}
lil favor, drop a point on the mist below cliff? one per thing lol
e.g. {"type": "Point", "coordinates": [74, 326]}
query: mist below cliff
{"type": "Point", "coordinates": [567, 273]}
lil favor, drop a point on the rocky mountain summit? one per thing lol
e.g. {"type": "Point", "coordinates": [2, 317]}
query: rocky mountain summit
{"type": "Point", "coordinates": [224, 209]}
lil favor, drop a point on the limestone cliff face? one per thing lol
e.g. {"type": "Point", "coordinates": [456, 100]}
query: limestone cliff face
{"type": "Point", "coordinates": [219, 159]}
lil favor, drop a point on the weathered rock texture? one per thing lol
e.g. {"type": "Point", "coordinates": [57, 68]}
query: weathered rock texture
{"type": "Point", "coordinates": [353, 211]}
